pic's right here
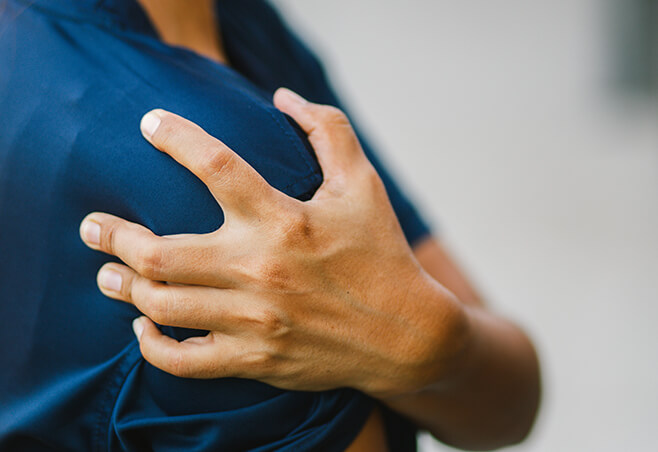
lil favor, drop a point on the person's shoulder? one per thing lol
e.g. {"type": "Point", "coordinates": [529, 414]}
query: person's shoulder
{"type": "Point", "coordinates": [90, 86]}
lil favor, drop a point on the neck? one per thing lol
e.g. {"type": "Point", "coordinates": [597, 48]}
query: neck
{"type": "Point", "coordinates": [190, 23]}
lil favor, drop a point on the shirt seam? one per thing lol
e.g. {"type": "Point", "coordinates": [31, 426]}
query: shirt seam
{"type": "Point", "coordinates": [109, 398]}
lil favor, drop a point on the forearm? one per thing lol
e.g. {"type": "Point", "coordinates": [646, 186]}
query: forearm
{"type": "Point", "coordinates": [490, 396]}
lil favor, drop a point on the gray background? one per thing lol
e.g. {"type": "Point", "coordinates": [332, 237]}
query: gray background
{"type": "Point", "coordinates": [513, 127]}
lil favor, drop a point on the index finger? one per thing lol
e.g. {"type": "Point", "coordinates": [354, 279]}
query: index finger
{"type": "Point", "coordinates": [233, 182]}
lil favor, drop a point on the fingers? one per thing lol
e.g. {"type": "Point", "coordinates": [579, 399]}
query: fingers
{"type": "Point", "coordinates": [234, 326]}
{"type": "Point", "coordinates": [329, 132]}
{"type": "Point", "coordinates": [189, 259]}
{"type": "Point", "coordinates": [184, 306]}
{"type": "Point", "coordinates": [192, 358]}
{"type": "Point", "coordinates": [233, 182]}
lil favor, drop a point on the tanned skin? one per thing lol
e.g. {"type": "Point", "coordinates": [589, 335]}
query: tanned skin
{"type": "Point", "coordinates": [403, 326]}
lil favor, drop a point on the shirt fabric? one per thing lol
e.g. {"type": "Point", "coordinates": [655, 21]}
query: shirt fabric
{"type": "Point", "coordinates": [75, 78]}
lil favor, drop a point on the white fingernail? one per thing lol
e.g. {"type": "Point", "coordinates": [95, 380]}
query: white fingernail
{"type": "Point", "coordinates": [110, 280]}
{"type": "Point", "coordinates": [150, 123]}
{"type": "Point", "coordinates": [138, 327]}
{"type": "Point", "coordinates": [91, 232]}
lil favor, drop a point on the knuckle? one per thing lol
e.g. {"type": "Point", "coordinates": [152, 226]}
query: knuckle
{"type": "Point", "coordinates": [109, 236]}
{"type": "Point", "coordinates": [370, 177]}
{"type": "Point", "coordinates": [178, 364]}
{"type": "Point", "coordinates": [132, 290]}
{"type": "Point", "coordinates": [271, 323]}
{"type": "Point", "coordinates": [332, 116]}
{"type": "Point", "coordinates": [149, 260]}
{"type": "Point", "coordinates": [215, 161]}
{"type": "Point", "coordinates": [296, 228]}
{"type": "Point", "coordinates": [258, 363]}
{"type": "Point", "coordinates": [157, 304]}
{"type": "Point", "coordinates": [273, 274]}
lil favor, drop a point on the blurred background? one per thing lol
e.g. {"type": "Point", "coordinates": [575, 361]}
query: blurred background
{"type": "Point", "coordinates": [527, 132]}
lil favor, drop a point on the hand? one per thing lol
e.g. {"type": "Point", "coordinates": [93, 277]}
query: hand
{"type": "Point", "coordinates": [301, 295]}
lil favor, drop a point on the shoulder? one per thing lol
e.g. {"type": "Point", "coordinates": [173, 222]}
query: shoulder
{"type": "Point", "coordinates": [90, 86]}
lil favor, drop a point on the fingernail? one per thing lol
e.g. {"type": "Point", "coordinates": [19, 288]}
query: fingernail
{"type": "Point", "coordinates": [110, 280]}
{"type": "Point", "coordinates": [91, 232]}
{"type": "Point", "coordinates": [138, 327]}
{"type": "Point", "coordinates": [293, 96]}
{"type": "Point", "coordinates": [150, 123]}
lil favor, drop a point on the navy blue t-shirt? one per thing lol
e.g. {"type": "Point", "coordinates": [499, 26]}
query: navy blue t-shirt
{"type": "Point", "coordinates": [75, 78]}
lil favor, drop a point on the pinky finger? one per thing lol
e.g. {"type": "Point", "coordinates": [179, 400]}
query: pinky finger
{"type": "Point", "coordinates": [192, 358]}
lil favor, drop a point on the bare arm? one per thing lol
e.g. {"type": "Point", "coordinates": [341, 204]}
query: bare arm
{"type": "Point", "coordinates": [493, 398]}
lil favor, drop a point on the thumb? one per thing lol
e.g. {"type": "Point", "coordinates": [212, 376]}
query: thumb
{"type": "Point", "coordinates": [329, 132]}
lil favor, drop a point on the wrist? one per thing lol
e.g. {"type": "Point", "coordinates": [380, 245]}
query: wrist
{"type": "Point", "coordinates": [433, 351]}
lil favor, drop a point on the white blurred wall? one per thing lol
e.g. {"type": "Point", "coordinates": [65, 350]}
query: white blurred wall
{"type": "Point", "coordinates": [501, 120]}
